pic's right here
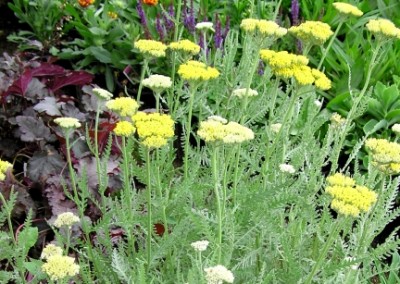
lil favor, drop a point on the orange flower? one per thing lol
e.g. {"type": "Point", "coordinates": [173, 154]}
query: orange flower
{"type": "Point", "coordinates": [85, 3]}
{"type": "Point", "coordinates": [150, 2]}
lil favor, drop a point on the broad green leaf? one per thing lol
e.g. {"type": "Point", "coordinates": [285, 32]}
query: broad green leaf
{"type": "Point", "coordinates": [28, 237]}
{"type": "Point", "coordinates": [101, 54]}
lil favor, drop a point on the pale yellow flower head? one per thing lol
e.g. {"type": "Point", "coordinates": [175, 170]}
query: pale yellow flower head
{"type": "Point", "coordinates": [197, 71]}
{"type": "Point", "coordinates": [244, 92]}
{"type": "Point", "coordinates": [203, 26]}
{"type": "Point", "coordinates": [276, 127]}
{"type": "Point", "coordinates": [157, 83]}
{"type": "Point", "coordinates": [124, 128]}
{"type": "Point", "coordinates": [396, 128]}
{"type": "Point", "coordinates": [67, 122]}
{"type": "Point", "coordinates": [51, 250]}
{"type": "Point", "coordinates": [151, 47]}
{"type": "Point", "coordinates": [200, 245]}
{"type": "Point", "coordinates": [4, 166]}
{"type": "Point", "coordinates": [123, 106]}
{"type": "Point", "coordinates": [287, 168]}
{"type": "Point", "coordinates": [383, 28]}
{"type": "Point", "coordinates": [185, 46]}
{"type": "Point", "coordinates": [60, 267]}
{"type": "Point", "coordinates": [102, 94]}
{"type": "Point", "coordinates": [218, 274]}
{"type": "Point", "coordinates": [263, 27]}
{"type": "Point", "coordinates": [312, 32]}
{"type": "Point", "coordinates": [66, 219]}
{"type": "Point", "coordinates": [385, 155]}
{"type": "Point", "coordinates": [337, 120]}
{"type": "Point", "coordinates": [154, 129]}
{"type": "Point", "coordinates": [347, 9]}
{"type": "Point", "coordinates": [237, 133]}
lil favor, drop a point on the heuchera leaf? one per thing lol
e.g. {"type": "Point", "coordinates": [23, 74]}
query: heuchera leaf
{"type": "Point", "coordinates": [49, 105]}
{"type": "Point", "coordinates": [20, 85]}
{"type": "Point", "coordinates": [47, 69]}
{"type": "Point", "coordinates": [44, 163]}
{"type": "Point", "coordinates": [79, 78]}
{"type": "Point", "coordinates": [58, 202]}
{"type": "Point", "coordinates": [33, 129]}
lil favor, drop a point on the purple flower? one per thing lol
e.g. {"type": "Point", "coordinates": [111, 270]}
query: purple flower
{"type": "Point", "coordinates": [227, 27]}
{"type": "Point", "coordinates": [160, 28]}
{"type": "Point", "coordinates": [295, 9]}
{"type": "Point", "coordinates": [143, 20]}
{"type": "Point", "coordinates": [218, 33]}
{"type": "Point", "coordinates": [188, 18]}
{"type": "Point", "coordinates": [169, 24]}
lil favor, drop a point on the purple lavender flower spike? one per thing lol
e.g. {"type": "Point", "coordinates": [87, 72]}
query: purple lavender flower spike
{"type": "Point", "coordinates": [160, 28]}
{"type": "Point", "coordinates": [143, 19]}
{"type": "Point", "coordinates": [169, 24]}
{"type": "Point", "coordinates": [295, 10]}
{"type": "Point", "coordinates": [218, 33]}
{"type": "Point", "coordinates": [227, 27]}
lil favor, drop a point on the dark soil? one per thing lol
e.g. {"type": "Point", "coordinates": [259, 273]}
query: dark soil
{"type": "Point", "coordinates": [8, 25]}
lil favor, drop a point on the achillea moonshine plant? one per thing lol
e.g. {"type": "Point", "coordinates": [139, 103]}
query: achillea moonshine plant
{"type": "Point", "coordinates": [59, 267]}
{"type": "Point", "coordinates": [218, 274]}
{"type": "Point", "coordinates": [4, 166]}
{"type": "Point", "coordinates": [158, 83]}
{"type": "Point", "coordinates": [123, 106]}
{"type": "Point", "coordinates": [385, 155]}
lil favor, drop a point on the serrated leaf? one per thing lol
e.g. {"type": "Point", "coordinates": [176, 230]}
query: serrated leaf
{"type": "Point", "coordinates": [44, 163]}
{"type": "Point", "coordinates": [28, 237]}
{"type": "Point", "coordinates": [33, 129]}
{"type": "Point", "coordinates": [50, 106]}
{"type": "Point", "coordinates": [35, 268]}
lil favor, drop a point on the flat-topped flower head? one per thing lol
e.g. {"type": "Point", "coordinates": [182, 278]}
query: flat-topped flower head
{"type": "Point", "coordinates": [154, 129]}
{"type": "Point", "coordinates": [383, 28]}
{"type": "Point", "coordinates": [286, 168]}
{"type": "Point", "coordinates": [396, 129]}
{"type": "Point", "coordinates": [263, 27]}
{"type": "Point", "coordinates": [197, 71]}
{"type": "Point", "coordinates": [218, 274]}
{"type": "Point", "coordinates": [157, 83]}
{"type": "Point", "coordinates": [124, 128]}
{"type": "Point", "coordinates": [236, 133]}
{"type": "Point", "coordinates": [283, 63]}
{"type": "Point", "coordinates": [66, 219]}
{"type": "Point", "coordinates": [212, 130]}
{"type": "Point", "coordinates": [337, 120]}
{"type": "Point", "coordinates": [200, 245]}
{"type": "Point", "coordinates": [4, 166]}
{"type": "Point", "coordinates": [185, 46]}
{"type": "Point", "coordinates": [244, 92]}
{"type": "Point", "coordinates": [60, 267]}
{"type": "Point", "coordinates": [68, 122]}
{"type": "Point", "coordinates": [203, 26]}
{"type": "Point", "coordinates": [276, 127]}
{"type": "Point", "coordinates": [151, 47]}
{"type": "Point", "coordinates": [102, 94]}
{"type": "Point", "coordinates": [51, 250]}
{"type": "Point", "coordinates": [385, 155]}
{"type": "Point", "coordinates": [312, 32]}
{"type": "Point", "coordinates": [321, 81]}
{"type": "Point", "coordinates": [347, 9]}
{"type": "Point", "coordinates": [349, 198]}
{"type": "Point", "coordinates": [123, 106]}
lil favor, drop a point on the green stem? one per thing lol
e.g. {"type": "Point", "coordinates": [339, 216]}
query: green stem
{"type": "Point", "coordinates": [176, 32]}
{"type": "Point", "coordinates": [272, 105]}
{"type": "Point", "coordinates": [158, 102]}
{"type": "Point", "coordinates": [163, 199]}
{"type": "Point", "coordinates": [205, 45]}
{"type": "Point", "coordinates": [218, 200]}
{"type": "Point", "coordinates": [322, 255]}
{"type": "Point", "coordinates": [149, 217]}
{"type": "Point", "coordinates": [188, 131]}
{"type": "Point", "coordinates": [329, 45]}
{"type": "Point", "coordinates": [97, 155]}
{"type": "Point", "coordinates": [235, 175]}
{"type": "Point", "coordinates": [277, 9]}
{"type": "Point", "coordinates": [126, 173]}
{"type": "Point", "coordinates": [6, 206]}
{"type": "Point", "coordinates": [142, 74]}
{"type": "Point", "coordinates": [69, 161]}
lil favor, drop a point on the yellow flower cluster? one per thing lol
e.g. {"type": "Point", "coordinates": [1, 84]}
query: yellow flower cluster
{"type": "Point", "coordinates": [124, 128]}
{"type": "Point", "coordinates": [383, 28]}
{"type": "Point", "coordinates": [4, 166]}
{"type": "Point", "coordinates": [58, 267]}
{"type": "Point", "coordinates": [197, 71]}
{"type": "Point", "coordinates": [67, 122]}
{"type": "Point", "coordinates": [123, 106]}
{"type": "Point", "coordinates": [337, 120]}
{"type": "Point", "coordinates": [349, 198]}
{"type": "Point", "coordinates": [66, 219]}
{"type": "Point", "coordinates": [385, 155]}
{"type": "Point", "coordinates": [157, 83]}
{"type": "Point", "coordinates": [218, 129]}
{"type": "Point", "coordinates": [313, 32]}
{"type": "Point", "coordinates": [51, 250]}
{"type": "Point", "coordinates": [264, 27]}
{"type": "Point", "coordinates": [186, 46]}
{"type": "Point", "coordinates": [347, 9]}
{"type": "Point", "coordinates": [151, 47]}
{"type": "Point", "coordinates": [288, 65]}
{"type": "Point", "coordinates": [154, 129]}
{"type": "Point", "coordinates": [102, 94]}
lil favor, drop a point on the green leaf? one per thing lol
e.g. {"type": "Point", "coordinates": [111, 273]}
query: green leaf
{"type": "Point", "coordinates": [101, 54]}
{"type": "Point", "coordinates": [373, 125]}
{"type": "Point", "coordinates": [109, 79]}
{"type": "Point", "coordinates": [389, 97]}
{"type": "Point", "coordinates": [28, 237]}
{"type": "Point", "coordinates": [97, 31]}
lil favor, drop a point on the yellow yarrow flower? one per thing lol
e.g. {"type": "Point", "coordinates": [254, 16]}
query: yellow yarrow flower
{"type": "Point", "coordinates": [321, 81]}
{"type": "Point", "coordinates": [244, 92]}
{"type": "Point", "coordinates": [236, 133]}
{"type": "Point", "coordinates": [337, 120]}
{"type": "Point", "coordinates": [123, 106]}
{"type": "Point", "coordinates": [383, 28]}
{"type": "Point", "coordinates": [303, 75]}
{"type": "Point", "coordinates": [197, 71]}
{"type": "Point", "coordinates": [347, 9]}
{"type": "Point", "coordinates": [51, 250]}
{"type": "Point", "coordinates": [312, 32]}
{"type": "Point", "coordinates": [60, 267]}
{"type": "Point", "coordinates": [264, 27]}
{"type": "Point", "coordinates": [66, 219]}
{"type": "Point", "coordinates": [124, 128]}
{"type": "Point", "coordinates": [151, 47]}
{"type": "Point", "coordinates": [157, 83]}
{"type": "Point", "coordinates": [102, 94]}
{"type": "Point", "coordinates": [67, 122]}
{"type": "Point", "coordinates": [349, 198]}
{"type": "Point", "coordinates": [154, 129]}
{"type": "Point", "coordinates": [385, 155]}
{"type": "Point", "coordinates": [4, 166]}
{"type": "Point", "coordinates": [186, 46]}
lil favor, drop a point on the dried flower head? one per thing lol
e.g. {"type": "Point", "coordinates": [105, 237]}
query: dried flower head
{"type": "Point", "coordinates": [102, 94]}
{"type": "Point", "coordinates": [60, 267]}
{"type": "Point", "coordinates": [200, 245]}
{"type": "Point", "coordinates": [185, 46]}
{"type": "Point", "coordinates": [123, 106]}
{"type": "Point", "coordinates": [157, 83]}
{"type": "Point", "coordinates": [51, 250]}
{"type": "Point", "coordinates": [85, 3]}
{"type": "Point", "coordinates": [154, 129]}
{"type": "Point", "coordinates": [218, 274]}
{"type": "Point", "coordinates": [151, 47]}
{"type": "Point", "coordinates": [347, 9]}
{"type": "Point", "coordinates": [312, 32]}
{"type": "Point", "coordinates": [124, 128]}
{"type": "Point", "coordinates": [385, 155]}
{"type": "Point", "coordinates": [66, 219]}
{"type": "Point", "coordinates": [67, 122]}
{"type": "Point", "coordinates": [383, 28]}
{"type": "Point", "coordinates": [286, 168]}
{"type": "Point", "coordinates": [197, 71]}
{"type": "Point", "coordinates": [244, 92]}
{"type": "Point", "coordinates": [4, 166]}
